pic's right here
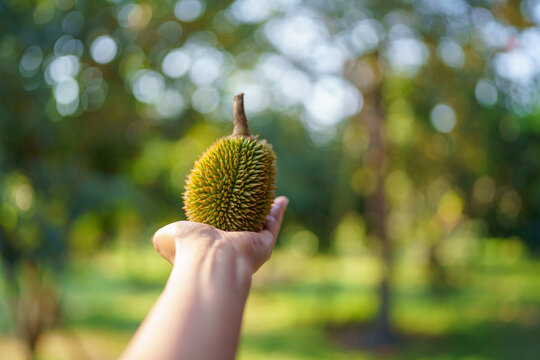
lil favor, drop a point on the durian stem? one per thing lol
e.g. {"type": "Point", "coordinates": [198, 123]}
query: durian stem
{"type": "Point", "coordinates": [240, 120]}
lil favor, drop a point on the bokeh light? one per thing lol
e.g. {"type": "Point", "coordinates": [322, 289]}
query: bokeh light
{"type": "Point", "coordinates": [443, 118]}
{"type": "Point", "coordinates": [134, 16]}
{"type": "Point", "coordinates": [147, 85]}
{"type": "Point", "coordinates": [170, 104]}
{"type": "Point", "coordinates": [205, 99]}
{"type": "Point", "coordinates": [486, 92]}
{"type": "Point", "coordinates": [206, 69]}
{"type": "Point", "coordinates": [251, 11]}
{"type": "Point", "coordinates": [171, 31]}
{"type": "Point", "coordinates": [73, 22]}
{"type": "Point", "coordinates": [31, 60]}
{"type": "Point", "coordinates": [331, 100]}
{"type": "Point", "coordinates": [366, 35]}
{"type": "Point", "coordinates": [66, 91]}
{"type": "Point", "coordinates": [451, 53]}
{"type": "Point", "coordinates": [67, 45]}
{"type": "Point", "coordinates": [188, 10]}
{"type": "Point", "coordinates": [484, 190]}
{"type": "Point", "coordinates": [62, 68]}
{"type": "Point", "coordinates": [176, 63]}
{"type": "Point", "coordinates": [406, 55]}
{"type": "Point", "coordinates": [103, 49]}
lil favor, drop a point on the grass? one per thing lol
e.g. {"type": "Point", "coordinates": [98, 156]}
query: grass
{"type": "Point", "coordinates": [491, 310]}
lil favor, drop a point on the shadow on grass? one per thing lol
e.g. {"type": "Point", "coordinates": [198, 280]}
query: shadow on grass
{"type": "Point", "coordinates": [493, 340]}
{"type": "Point", "coordinates": [489, 341]}
{"type": "Point", "coordinates": [106, 322]}
{"type": "Point", "coordinates": [314, 288]}
{"type": "Point", "coordinates": [106, 285]}
{"type": "Point", "coordinates": [297, 343]}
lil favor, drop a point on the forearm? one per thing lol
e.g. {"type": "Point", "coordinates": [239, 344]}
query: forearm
{"type": "Point", "coordinates": [198, 315]}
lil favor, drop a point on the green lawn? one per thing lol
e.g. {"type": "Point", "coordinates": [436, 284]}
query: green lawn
{"type": "Point", "coordinates": [491, 310]}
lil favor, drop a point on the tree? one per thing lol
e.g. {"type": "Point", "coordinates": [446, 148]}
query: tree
{"type": "Point", "coordinates": [104, 108]}
{"type": "Point", "coordinates": [423, 69]}
{"type": "Point", "coordinates": [392, 109]}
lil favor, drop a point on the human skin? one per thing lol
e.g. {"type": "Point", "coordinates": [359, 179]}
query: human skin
{"type": "Point", "coordinates": [199, 313]}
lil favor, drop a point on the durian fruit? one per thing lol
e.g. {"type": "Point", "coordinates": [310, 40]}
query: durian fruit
{"type": "Point", "coordinates": [231, 186]}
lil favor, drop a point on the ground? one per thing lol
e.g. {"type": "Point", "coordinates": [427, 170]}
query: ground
{"type": "Point", "coordinates": [312, 308]}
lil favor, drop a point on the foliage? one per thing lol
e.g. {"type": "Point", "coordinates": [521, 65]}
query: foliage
{"type": "Point", "coordinates": [104, 106]}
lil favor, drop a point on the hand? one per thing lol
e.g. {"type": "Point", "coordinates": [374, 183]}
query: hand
{"type": "Point", "coordinates": [199, 313]}
{"type": "Point", "coordinates": [184, 239]}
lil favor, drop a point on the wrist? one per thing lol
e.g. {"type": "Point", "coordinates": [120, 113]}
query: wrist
{"type": "Point", "coordinates": [216, 263]}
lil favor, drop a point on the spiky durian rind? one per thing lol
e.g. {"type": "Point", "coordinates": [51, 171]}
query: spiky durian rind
{"type": "Point", "coordinates": [232, 185]}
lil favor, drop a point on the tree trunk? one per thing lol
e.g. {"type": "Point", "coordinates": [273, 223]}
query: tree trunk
{"type": "Point", "coordinates": [372, 117]}
{"type": "Point", "coordinates": [376, 214]}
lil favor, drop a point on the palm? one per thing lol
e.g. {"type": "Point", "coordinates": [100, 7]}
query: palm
{"type": "Point", "coordinates": [183, 237]}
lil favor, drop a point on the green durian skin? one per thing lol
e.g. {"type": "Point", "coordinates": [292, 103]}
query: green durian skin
{"type": "Point", "coordinates": [232, 185]}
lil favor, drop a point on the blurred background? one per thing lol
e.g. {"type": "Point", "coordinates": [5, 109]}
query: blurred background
{"type": "Point", "coordinates": [408, 141]}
